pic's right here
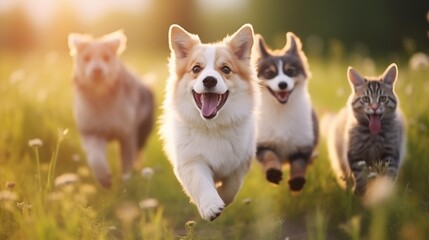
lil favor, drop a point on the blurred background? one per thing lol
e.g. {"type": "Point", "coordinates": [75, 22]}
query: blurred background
{"type": "Point", "coordinates": [378, 28]}
{"type": "Point", "coordinates": [36, 92]}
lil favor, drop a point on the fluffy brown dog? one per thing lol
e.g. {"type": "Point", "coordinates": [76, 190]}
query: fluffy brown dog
{"type": "Point", "coordinates": [110, 103]}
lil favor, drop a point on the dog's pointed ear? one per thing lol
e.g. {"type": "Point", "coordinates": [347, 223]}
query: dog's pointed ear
{"type": "Point", "coordinates": [355, 78]}
{"type": "Point", "coordinates": [116, 41]}
{"type": "Point", "coordinates": [390, 74]}
{"type": "Point", "coordinates": [261, 46]}
{"type": "Point", "coordinates": [293, 44]}
{"type": "Point", "coordinates": [241, 42]}
{"type": "Point", "coordinates": [77, 42]}
{"type": "Point", "coordinates": [180, 41]}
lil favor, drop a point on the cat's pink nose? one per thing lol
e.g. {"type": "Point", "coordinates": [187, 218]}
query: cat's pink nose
{"type": "Point", "coordinates": [374, 106]}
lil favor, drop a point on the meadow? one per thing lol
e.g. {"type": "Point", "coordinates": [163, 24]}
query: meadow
{"type": "Point", "coordinates": [47, 191]}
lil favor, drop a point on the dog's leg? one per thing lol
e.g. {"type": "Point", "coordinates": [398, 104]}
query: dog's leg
{"type": "Point", "coordinates": [197, 181]}
{"type": "Point", "coordinates": [230, 186]}
{"type": "Point", "coordinates": [298, 166]}
{"type": "Point", "coordinates": [271, 164]}
{"type": "Point", "coordinates": [95, 149]}
{"type": "Point", "coordinates": [128, 156]}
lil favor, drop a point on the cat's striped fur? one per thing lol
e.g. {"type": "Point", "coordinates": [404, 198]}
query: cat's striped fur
{"type": "Point", "coordinates": [369, 133]}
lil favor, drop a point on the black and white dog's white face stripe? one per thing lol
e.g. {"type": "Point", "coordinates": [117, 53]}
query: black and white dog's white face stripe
{"type": "Point", "coordinates": [281, 74]}
{"type": "Point", "coordinates": [276, 78]}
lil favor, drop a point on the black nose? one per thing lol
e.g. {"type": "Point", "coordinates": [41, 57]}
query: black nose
{"type": "Point", "coordinates": [209, 82]}
{"type": "Point", "coordinates": [282, 85]}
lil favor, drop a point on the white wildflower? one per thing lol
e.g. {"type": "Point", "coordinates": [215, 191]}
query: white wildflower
{"type": "Point", "coordinates": [149, 203]}
{"type": "Point", "coordinates": [127, 212]}
{"type": "Point", "coordinates": [419, 61]}
{"type": "Point", "coordinates": [147, 173]}
{"type": "Point", "coordinates": [36, 142]}
{"type": "Point", "coordinates": [8, 196]}
{"type": "Point", "coordinates": [66, 179]}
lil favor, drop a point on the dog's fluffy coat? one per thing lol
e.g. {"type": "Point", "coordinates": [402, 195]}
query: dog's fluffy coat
{"type": "Point", "coordinates": [208, 125]}
{"type": "Point", "coordinates": [287, 125]}
{"type": "Point", "coordinates": [110, 103]}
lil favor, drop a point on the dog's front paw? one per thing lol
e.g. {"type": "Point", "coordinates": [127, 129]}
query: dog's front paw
{"type": "Point", "coordinates": [211, 209]}
{"type": "Point", "coordinates": [274, 175]}
{"type": "Point", "coordinates": [296, 183]}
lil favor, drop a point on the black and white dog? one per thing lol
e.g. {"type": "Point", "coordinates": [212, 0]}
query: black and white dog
{"type": "Point", "coordinates": [287, 126]}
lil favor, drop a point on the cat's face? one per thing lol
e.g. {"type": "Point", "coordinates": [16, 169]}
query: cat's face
{"type": "Point", "coordinates": [373, 98]}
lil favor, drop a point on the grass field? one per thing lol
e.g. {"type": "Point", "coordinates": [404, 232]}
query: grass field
{"type": "Point", "coordinates": [36, 103]}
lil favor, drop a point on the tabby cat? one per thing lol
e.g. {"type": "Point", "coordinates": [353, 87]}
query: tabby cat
{"type": "Point", "coordinates": [366, 140]}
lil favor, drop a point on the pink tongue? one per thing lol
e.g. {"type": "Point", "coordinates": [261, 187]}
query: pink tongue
{"type": "Point", "coordinates": [374, 123]}
{"type": "Point", "coordinates": [209, 104]}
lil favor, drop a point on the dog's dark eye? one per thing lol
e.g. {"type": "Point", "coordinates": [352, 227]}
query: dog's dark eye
{"type": "Point", "coordinates": [196, 69]}
{"type": "Point", "coordinates": [365, 99]}
{"type": "Point", "coordinates": [290, 72]}
{"type": "Point", "coordinates": [269, 74]}
{"type": "Point", "coordinates": [106, 58]}
{"type": "Point", "coordinates": [86, 58]}
{"type": "Point", "coordinates": [382, 98]}
{"type": "Point", "coordinates": [226, 70]}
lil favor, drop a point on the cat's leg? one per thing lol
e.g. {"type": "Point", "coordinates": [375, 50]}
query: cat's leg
{"type": "Point", "coordinates": [271, 164]}
{"type": "Point", "coordinates": [361, 175]}
{"type": "Point", "coordinates": [392, 166]}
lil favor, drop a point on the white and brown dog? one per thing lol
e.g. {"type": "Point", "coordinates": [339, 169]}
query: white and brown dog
{"type": "Point", "coordinates": [208, 125]}
{"type": "Point", "coordinates": [110, 103]}
{"type": "Point", "coordinates": [287, 125]}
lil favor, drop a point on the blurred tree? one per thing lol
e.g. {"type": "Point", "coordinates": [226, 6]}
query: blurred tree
{"type": "Point", "coordinates": [381, 25]}
{"type": "Point", "coordinates": [16, 31]}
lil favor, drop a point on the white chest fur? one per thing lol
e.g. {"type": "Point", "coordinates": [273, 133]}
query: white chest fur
{"type": "Point", "coordinates": [223, 149]}
{"type": "Point", "coordinates": [113, 117]}
{"type": "Point", "coordinates": [287, 125]}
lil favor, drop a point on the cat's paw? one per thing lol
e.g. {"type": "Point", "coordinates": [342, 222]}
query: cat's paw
{"type": "Point", "coordinates": [371, 175]}
{"type": "Point", "coordinates": [361, 165]}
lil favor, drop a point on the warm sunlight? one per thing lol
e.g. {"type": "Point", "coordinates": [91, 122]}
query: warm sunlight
{"type": "Point", "coordinates": [214, 119]}
{"type": "Point", "coordinates": [44, 11]}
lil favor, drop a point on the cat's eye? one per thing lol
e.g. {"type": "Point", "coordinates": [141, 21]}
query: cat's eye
{"type": "Point", "coordinates": [365, 99]}
{"type": "Point", "coordinates": [196, 69]}
{"type": "Point", "coordinates": [269, 74]}
{"type": "Point", "coordinates": [382, 98]}
{"type": "Point", "coordinates": [290, 72]}
{"type": "Point", "coordinates": [226, 69]}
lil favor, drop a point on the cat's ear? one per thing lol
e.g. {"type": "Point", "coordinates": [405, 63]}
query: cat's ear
{"type": "Point", "coordinates": [390, 75]}
{"type": "Point", "coordinates": [355, 78]}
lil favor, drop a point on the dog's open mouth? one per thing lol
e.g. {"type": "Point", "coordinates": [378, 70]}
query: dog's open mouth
{"type": "Point", "coordinates": [281, 96]}
{"type": "Point", "coordinates": [209, 103]}
{"type": "Point", "coordinates": [374, 123]}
